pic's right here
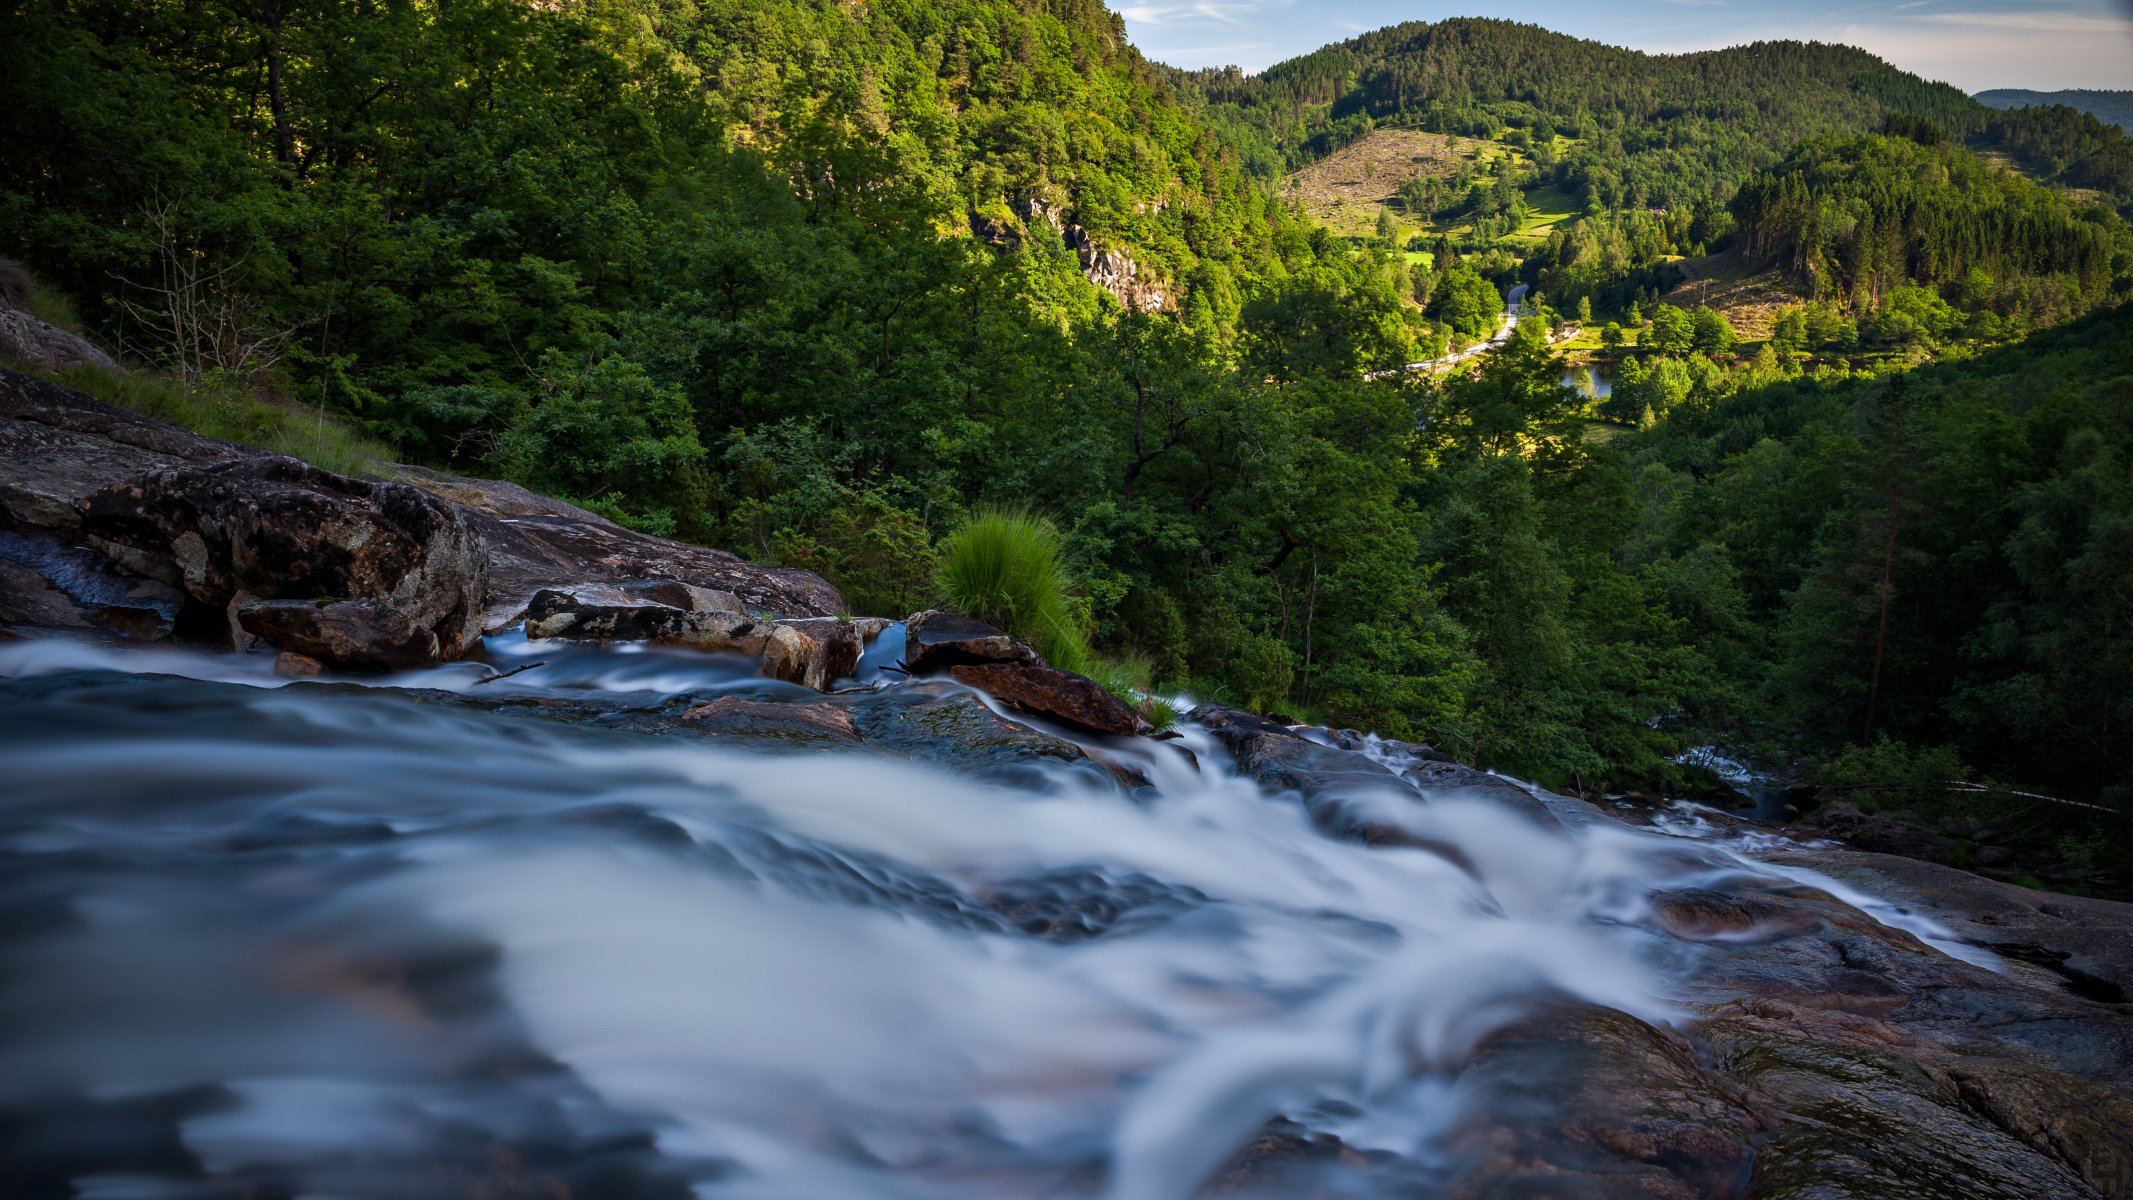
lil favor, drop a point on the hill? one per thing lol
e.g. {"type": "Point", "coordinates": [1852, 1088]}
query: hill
{"type": "Point", "coordinates": [2110, 107]}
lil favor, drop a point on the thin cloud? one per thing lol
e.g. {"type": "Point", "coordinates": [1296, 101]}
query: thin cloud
{"type": "Point", "coordinates": [2031, 22]}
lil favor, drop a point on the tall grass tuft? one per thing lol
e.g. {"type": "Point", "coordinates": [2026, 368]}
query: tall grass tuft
{"type": "Point", "coordinates": [1006, 568]}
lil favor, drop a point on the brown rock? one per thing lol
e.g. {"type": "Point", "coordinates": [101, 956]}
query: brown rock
{"type": "Point", "coordinates": [1050, 692]}
{"type": "Point", "coordinates": [816, 651]}
{"type": "Point", "coordinates": [936, 640]}
{"type": "Point", "coordinates": [361, 635]}
{"type": "Point", "coordinates": [290, 665]}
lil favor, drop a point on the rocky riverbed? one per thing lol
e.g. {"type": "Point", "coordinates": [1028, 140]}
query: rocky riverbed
{"type": "Point", "coordinates": [422, 837]}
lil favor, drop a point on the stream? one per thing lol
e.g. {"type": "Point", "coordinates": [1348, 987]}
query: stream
{"type": "Point", "coordinates": [415, 937]}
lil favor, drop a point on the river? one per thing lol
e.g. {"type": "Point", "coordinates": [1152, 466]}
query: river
{"type": "Point", "coordinates": [439, 937]}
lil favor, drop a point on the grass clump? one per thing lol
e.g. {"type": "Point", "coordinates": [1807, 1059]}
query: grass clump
{"type": "Point", "coordinates": [1008, 569]}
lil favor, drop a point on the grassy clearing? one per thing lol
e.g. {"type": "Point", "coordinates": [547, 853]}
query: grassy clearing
{"type": "Point", "coordinates": [1346, 189]}
{"type": "Point", "coordinates": [1550, 207]}
{"type": "Point", "coordinates": [229, 412]}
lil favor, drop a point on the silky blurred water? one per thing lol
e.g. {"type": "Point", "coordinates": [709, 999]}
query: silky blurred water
{"type": "Point", "coordinates": [329, 939]}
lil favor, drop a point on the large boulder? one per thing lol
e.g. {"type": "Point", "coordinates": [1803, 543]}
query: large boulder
{"type": "Point", "coordinates": [815, 651]}
{"type": "Point", "coordinates": [33, 343]}
{"type": "Point", "coordinates": [231, 534]}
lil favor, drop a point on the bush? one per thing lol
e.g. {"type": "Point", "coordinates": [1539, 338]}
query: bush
{"type": "Point", "coordinates": [1893, 773]}
{"type": "Point", "coordinates": [1005, 568]}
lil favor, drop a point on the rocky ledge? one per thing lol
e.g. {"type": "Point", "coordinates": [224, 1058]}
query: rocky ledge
{"type": "Point", "coordinates": [116, 523]}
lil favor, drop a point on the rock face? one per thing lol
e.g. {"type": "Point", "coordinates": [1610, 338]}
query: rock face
{"type": "Point", "coordinates": [234, 533]}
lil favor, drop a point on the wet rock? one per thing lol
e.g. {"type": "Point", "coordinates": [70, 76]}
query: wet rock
{"type": "Point", "coordinates": [1869, 1109]}
{"type": "Point", "coordinates": [767, 719]}
{"type": "Point", "coordinates": [936, 640]}
{"type": "Point", "coordinates": [27, 599]}
{"type": "Point", "coordinates": [290, 665]}
{"type": "Point", "coordinates": [2088, 943]}
{"type": "Point", "coordinates": [1589, 1102]}
{"type": "Point", "coordinates": [1288, 1159]}
{"type": "Point", "coordinates": [815, 651]}
{"type": "Point", "coordinates": [359, 635]}
{"type": "Point", "coordinates": [232, 533]}
{"type": "Point", "coordinates": [534, 544]}
{"type": "Point", "coordinates": [1050, 692]}
{"type": "Point", "coordinates": [1329, 779]}
{"type": "Point", "coordinates": [557, 614]}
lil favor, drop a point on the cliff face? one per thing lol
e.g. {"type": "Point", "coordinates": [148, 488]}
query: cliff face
{"type": "Point", "coordinates": [1112, 270]}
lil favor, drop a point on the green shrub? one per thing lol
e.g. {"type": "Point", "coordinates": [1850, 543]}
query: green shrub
{"type": "Point", "coordinates": [1006, 568]}
{"type": "Point", "coordinates": [1894, 773]}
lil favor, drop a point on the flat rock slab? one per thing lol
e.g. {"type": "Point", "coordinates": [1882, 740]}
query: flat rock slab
{"type": "Point", "coordinates": [535, 543]}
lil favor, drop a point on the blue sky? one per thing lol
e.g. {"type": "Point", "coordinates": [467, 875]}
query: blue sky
{"type": "Point", "coordinates": [1974, 44]}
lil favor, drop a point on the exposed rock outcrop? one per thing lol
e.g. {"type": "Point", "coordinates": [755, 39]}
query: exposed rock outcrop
{"type": "Point", "coordinates": [268, 528]}
{"type": "Point", "coordinates": [1112, 270]}
{"type": "Point", "coordinates": [109, 520]}
{"type": "Point", "coordinates": [534, 543]}
{"type": "Point", "coordinates": [33, 343]}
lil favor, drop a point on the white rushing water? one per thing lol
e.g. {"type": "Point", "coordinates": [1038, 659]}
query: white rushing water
{"type": "Point", "coordinates": [335, 937]}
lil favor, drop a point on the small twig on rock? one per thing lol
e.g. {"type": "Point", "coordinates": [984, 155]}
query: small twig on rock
{"type": "Point", "coordinates": [508, 674]}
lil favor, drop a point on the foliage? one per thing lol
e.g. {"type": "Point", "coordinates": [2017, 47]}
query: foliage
{"type": "Point", "coordinates": [1005, 568]}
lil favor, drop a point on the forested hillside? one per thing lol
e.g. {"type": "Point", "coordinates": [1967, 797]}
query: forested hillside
{"type": "Point", "coordinates": [1645, 130]}
{"type": "Point", "coordinates": [816, 282]}
{"type": "Point", "coordinates": [2110, 107]}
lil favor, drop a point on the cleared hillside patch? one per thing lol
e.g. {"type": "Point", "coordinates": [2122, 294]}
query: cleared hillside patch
{"type": "Point", "coordinates": [1751, 297]}
{"type": "Point", "coordinates": [1346, 189]}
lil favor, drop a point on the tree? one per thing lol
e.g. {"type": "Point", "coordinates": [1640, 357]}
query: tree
{"type": "Point", "coordinates": [1673, 331]}
{"type": "Point", "coordinates": [1466, 302]}
{"type": "Point", "coordinates": [1611, 338]}
{"type": "Point", "coordinates": [1711, 332]}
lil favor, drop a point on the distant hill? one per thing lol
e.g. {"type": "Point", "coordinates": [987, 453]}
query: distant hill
{"type": "Point", "coordinates": [1645, 131]}
{"type": "Point", "coordinates": [2115, 108]}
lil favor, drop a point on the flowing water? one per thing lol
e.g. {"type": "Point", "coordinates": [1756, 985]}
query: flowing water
{"type": "Point", "coordinates": [329, 939]}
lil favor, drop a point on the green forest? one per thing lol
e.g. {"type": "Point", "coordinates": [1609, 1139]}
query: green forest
{"type": "Point", "coordinates": [813, 282]}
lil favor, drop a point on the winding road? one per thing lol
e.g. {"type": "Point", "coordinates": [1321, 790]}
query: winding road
{"type": "Point", "coordinates": [1512, 310]}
